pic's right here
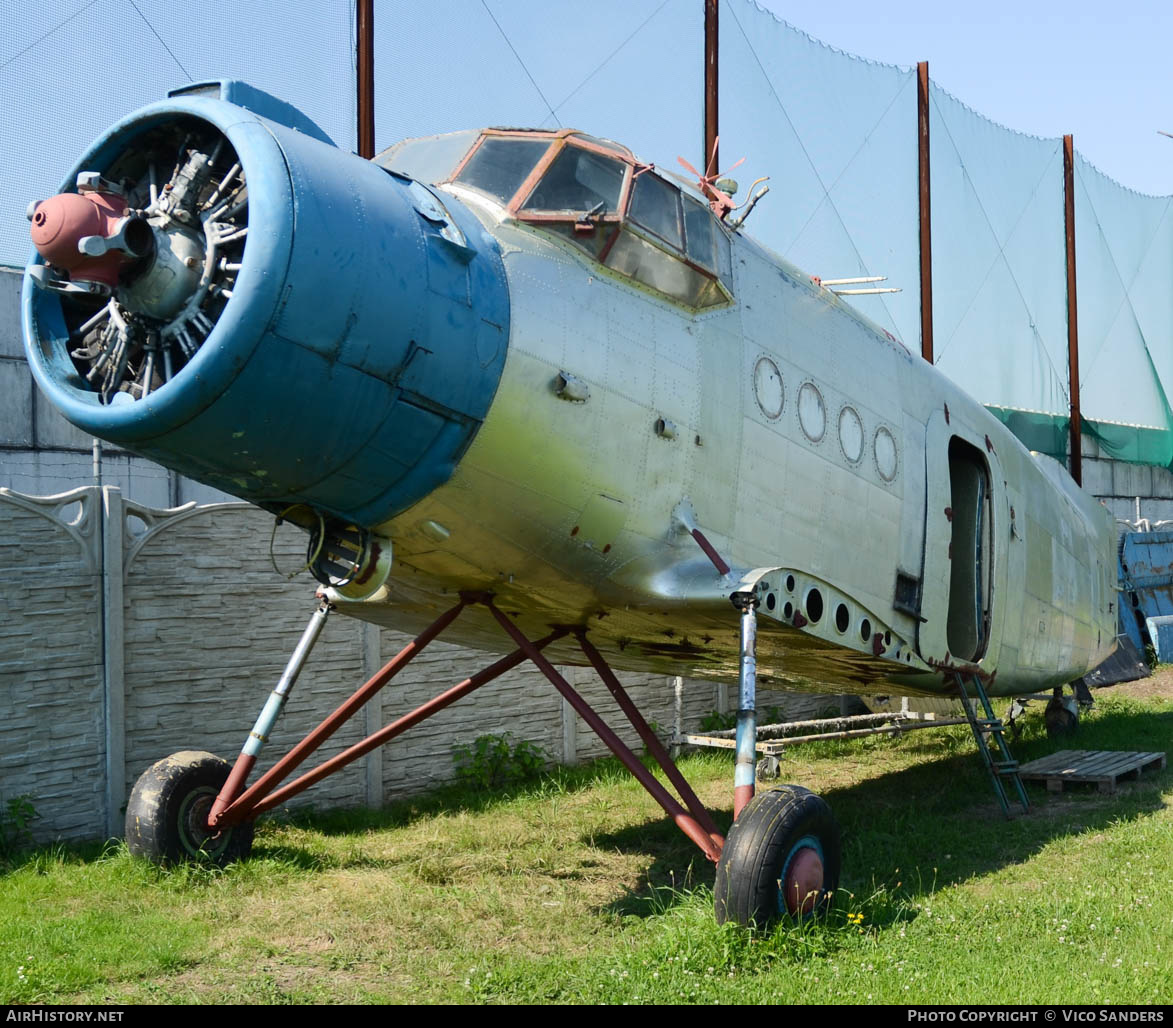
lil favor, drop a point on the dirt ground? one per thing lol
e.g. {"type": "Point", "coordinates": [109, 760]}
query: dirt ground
{"type": "Point", "coordinates": [1159, 686]}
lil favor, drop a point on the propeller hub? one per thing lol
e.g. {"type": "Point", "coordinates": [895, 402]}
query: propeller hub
{"type": "Point", "coordinates": [61, 223]}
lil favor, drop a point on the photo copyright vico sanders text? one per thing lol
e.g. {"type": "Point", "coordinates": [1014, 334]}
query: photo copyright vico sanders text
{"type": "Point", "coordinates": [1050, 1015]}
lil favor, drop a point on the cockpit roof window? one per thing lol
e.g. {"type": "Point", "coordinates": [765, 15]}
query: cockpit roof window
{"type": "Point", "coordinates": [578, 181]}
{"type": "Point", "coordinates": [655, 205]}
{"type": "Point", "coordinates": [501, 164]}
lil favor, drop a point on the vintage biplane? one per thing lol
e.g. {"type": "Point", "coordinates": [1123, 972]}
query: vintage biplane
{"type": "Point", "coordinates": [525, 391]}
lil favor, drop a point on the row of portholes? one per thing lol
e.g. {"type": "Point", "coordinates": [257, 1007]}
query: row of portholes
{"type": "Point", "coordinates": [769, 391]}
{"type": "Point", "coordinates": [813, 609]}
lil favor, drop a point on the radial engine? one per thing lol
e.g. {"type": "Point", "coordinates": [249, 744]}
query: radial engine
{"type": "Point", "coordinates": [221, 289]}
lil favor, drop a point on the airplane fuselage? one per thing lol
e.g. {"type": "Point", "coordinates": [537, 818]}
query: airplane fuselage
{"type": "Point", "coordinates": [801, 435]}
{"type": "Point", "coordinates": [534, 366]}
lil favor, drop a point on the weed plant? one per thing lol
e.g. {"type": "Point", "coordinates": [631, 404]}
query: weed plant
{"type": "Point", "coordinates": [16, 817]}
{"type": "Point", "coordinates": [493, 761]}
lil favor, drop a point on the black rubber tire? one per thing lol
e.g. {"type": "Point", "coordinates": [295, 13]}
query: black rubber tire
{"type": "Point", "coordinates": [767, 769]}
{"type": "Point", "coordinates": [763, 838]}
{"type": "Point", "coordinates": [163, 815]}
{"type": "Point", "coordinates": [1059, 720]}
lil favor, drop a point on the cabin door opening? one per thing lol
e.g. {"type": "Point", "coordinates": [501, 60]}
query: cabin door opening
{"type": "Point", "coordinates": [970, 552]}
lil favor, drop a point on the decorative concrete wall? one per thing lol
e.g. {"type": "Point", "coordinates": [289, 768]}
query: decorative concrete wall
{"type": "Point", "coordinates": [42, 454]}
{"type": "Point", "coordinates": [52, 698]}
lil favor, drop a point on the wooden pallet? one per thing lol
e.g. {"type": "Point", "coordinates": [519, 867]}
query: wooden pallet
{"type": "Point", "coordinates": [1103, 767]}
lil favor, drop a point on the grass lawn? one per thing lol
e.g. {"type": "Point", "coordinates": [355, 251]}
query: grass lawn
{"type": "Point", "coordinates": [576, 889]}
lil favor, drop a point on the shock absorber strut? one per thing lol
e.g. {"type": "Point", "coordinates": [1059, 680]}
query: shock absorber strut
{"type": "Point", "coordinates": [270, 712]}
{"type": "Point", "coordinates": [747, 728]}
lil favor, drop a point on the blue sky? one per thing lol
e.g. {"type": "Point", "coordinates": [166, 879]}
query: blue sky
{"type": "Point", "coordinates": [1100, 71]}
{"type": "Point", "coordinates": [1097, 70]}
{"type": "Point", "coordinates": [631, 69]}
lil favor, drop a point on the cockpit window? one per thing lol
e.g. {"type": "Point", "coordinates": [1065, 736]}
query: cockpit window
{"type": "Point", "coordinates": [655, 205]}
{"type": "Point", "coordinates": [699, 231]}
{"type": "Point", "coordinates": [578, 180]}
{"type": "Point", "coordinates": [500, 165]}
{"type": "Point", "coordinates": [595, 196]}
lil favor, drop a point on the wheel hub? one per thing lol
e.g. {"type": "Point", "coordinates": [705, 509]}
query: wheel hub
{"type": "Point", "coordinates": [801, 883]}
{"type": "Point", "coordinates": [195, 835]}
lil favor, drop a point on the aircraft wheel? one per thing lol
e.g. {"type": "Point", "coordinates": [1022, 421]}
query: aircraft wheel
{"type": "Point", "coordinates": [1061, 717]}
{"type": "Point", "coordinates": [166, 816]}
{"type": "Point", "coordinates": [768, 768]}
{"type": "Point", "coordinates": [781, 857]}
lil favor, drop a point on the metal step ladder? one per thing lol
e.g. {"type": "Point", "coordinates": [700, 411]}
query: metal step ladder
{"type": "Point", "coordinates": [1000, 765]}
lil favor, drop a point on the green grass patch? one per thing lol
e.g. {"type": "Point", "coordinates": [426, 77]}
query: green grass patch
{"type": "Point", "coordinates": [575, 889]}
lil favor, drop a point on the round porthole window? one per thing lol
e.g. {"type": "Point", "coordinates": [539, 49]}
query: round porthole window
{"type": "Point", "coordinates": [851, 434]}
{"type": "Point", "coordinates": [768, 389]}
{"type": "Point", "coordinates": [812, 412]}
{"type": "Point", "coordinates": [885, 450]}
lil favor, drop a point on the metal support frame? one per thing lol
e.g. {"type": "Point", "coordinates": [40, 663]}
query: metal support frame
{"type": "Point", "coordinates": [684, 820]}
{"type": "Point", "coordinates": [650, 740]}
{"type": "Point", "coordinates": [234, 806]}
{"type": "Point", "coordinates": [1072, 310]}
{"type": "Point", "coordinates": [230, 808]}
{"type": "Point", "coordinates": [271, 711]}
{"type": "Point", "coordinates": [709, 153]}
{"type": "Point", "coordinates": [926, 218]}
{"type": "Point", "coordinates": [364, 11]}
{"type": "Point", "coordinates": [421, 713]}
{"type": "Point", "coordinates": [710, 551]}
{"type": "Point", "coordinates": [856, 726]}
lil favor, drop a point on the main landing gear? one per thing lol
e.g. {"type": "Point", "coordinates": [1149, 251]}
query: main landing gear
{"type": "Point", "coordinates": [1061, 714]}
{"type": "Point", "coordinates": [167, 815]}
{"type": "Point", "coordinates": [782, 856]}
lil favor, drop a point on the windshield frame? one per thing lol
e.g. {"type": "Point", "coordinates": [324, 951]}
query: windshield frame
{"type": "Point", "coordinates": [616, 221]}
{"type": "Point", "coordinates": [559, 140]}
{"type": "Point", "coordinates": [517, 204]}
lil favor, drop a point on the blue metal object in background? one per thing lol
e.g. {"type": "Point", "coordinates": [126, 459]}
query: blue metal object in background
{"type": "Point", "coordinates": [1146, 583]}
{"type": "Point", "coordinates": [360, 348]}
{"type": "Point", "coordinates": [1161, 635]}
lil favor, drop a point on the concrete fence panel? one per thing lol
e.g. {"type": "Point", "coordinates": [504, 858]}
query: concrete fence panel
{"type": "Point", "coordinates": [208, 626]}
{"type": "Point", "coordinates": [52, 700]}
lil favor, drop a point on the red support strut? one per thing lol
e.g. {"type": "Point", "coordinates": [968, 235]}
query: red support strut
{"type": "Point", "coordinates": [655, 747]}
{"type": "Point", "coordinates": [684, 820]}
{"type": "Point", "coordinates": [386, 734]}
{"type": "Point", "coordinates": [264, 795]}
{"type": "Point", "coordinates": [241, 807]}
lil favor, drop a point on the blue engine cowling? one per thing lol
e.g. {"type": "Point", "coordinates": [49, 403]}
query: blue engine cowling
{"type": "Point", "coordinates": [340, 352]}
